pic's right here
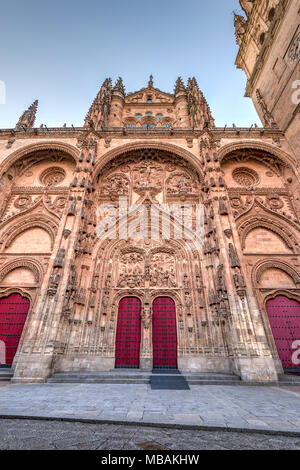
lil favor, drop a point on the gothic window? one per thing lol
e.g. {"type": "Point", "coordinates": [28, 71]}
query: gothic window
{"type": "Point", "coordinates": [159, 116]}
{"type": "Point", "coordinates": [138, 116]}
{"type": "Point", "coordinates": [148, 113]}
{"type": "Point", "coordinates": [149, 99]}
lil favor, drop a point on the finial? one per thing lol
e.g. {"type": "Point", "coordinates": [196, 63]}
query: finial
{"type": "Point", "coordinates": [27, 119]}
{"type": "Point", "coordinates": [179, 85]}
{"type": "Point", "coordinates": [119, 86]}
{"type": "Point", "coordinates": [150, 83]}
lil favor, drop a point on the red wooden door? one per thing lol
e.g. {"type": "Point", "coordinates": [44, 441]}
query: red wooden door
{"type": "Point", "coordinates": [284, 316]}
{"type": "Point", "coordinates": [128, 337]}
{"type": "Point", "coordinates": [13, 313]}
{"type": "Point", "coordinates": [164, 333]}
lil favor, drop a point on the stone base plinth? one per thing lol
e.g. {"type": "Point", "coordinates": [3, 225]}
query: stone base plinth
{"type": "Point", "coordinates": [83, 363]}
{"type": "Point", "coordinates": [256, 370]}
{"type": "Point", "coordinates": [32, 368]}
{"type": "Point", "coordinates": [205, 364]}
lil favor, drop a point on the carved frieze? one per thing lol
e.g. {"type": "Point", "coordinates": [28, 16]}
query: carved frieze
{"type": "Point", "coordinates": [162, 270]}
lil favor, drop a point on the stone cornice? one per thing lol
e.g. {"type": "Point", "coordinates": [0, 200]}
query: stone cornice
{"type": "Point", "coordinates": [62, 132]}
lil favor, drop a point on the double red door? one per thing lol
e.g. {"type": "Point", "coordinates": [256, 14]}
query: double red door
{"type": "Point", "coordinates": [13, 313]}
{"type": "Point", "coordinates": [128, 337]}
{"type": "Point", "coordinates": [284, 317]}
{"type": "Point", "coordinates": [164, 333]}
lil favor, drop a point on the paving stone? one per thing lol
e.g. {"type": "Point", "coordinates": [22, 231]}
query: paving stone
{"type": "Point", "coordinates": [223, 405]}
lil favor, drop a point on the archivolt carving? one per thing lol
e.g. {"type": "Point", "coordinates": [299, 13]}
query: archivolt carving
{"type": "Point", "coordinates": [5, 292]}
{"type": "Point", "coordinates": [290, 294]}
{"type": "Point", "coordinates": [33, 265]}
{"type": "Point", "coordinates": [259, 269]}
{"type": "Point", "coordinates": [148, 173]}
{"type": "Point", "coordinates": [19, 154]}
{"type": "Point", "coordinates": [177, 154]}
{"type": "Point", "coordinates": [229, 151]}
{"type": "Point", "coordinates": [36, 221]}
{"type": "Point", "coordinates": [256, 222]}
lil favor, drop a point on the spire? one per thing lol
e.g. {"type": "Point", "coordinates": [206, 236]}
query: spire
{"type": "Point", "coordinates": [100, 109]}
{"type": "Point", "coordinates": [194, 82]}
{"type": "Point", "coordinates": [27, 119]}
{"type": "Point", "coordinates": [119, 86]}
{"type": "Point", "coordinates": [240, 25]}
{"type": "Point", "coordinates": [268, 119]}
{"type": "Point", "coordinates": [198, 106]}
{"type": "Point", "coordinates": [179, 86]}
{"type": "Point", "coordinates": [150, 83]}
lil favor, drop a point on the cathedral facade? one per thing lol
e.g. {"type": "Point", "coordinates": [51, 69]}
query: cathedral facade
{"type": "Point", "coordinates": [150, 238]}
{"type": "Point", "coordinates": [78, 298]}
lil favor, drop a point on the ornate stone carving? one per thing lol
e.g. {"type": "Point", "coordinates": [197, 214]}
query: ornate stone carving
{"type": "Point", "coordinates": [234, 259]}
{"type": "Point", "coordinates": [22, 201]}
{"type": "Point", "coordinates": [162, 270]}
{"type": "Point", "coordinates": [60, 258]}
{"type": "Point", "coordinates": [148, 176]}
{"type": "Point", "coordinates": [180, 183]}
{"type": "Point", "coordinates": [132, 270]}
{"type": "Point", "coordinates": [115, 185]}
{"type": "Point", "coordinates": [147, 314]}
{"type": "Point", "coordinates": [267, 115]}
{"type": "Point", "coordinates": [245, 177]}
{"type": "Point", "coordinates": [294, 52]}
{"type": "Point", "coordinates": [52, 176]}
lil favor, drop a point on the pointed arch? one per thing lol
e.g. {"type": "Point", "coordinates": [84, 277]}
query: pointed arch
{"type": "Point", "coordinates": [264, 265]}
{"type": "Point", "coordinates": [33, 265]}
{"type": "Point", "coordinates": [280, 229]}
{"type": "Point", "coordinates": [171, 148]}
{"type": "Point", "coordinates": [22, 152]}
{"type": "Point", "coordinates": [284, 158]}
{"type": "Point", "coordinates": [23, 224]}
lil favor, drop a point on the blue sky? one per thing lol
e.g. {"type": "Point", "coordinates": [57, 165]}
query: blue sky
{"type": "Point", "coordinates": [61, 51]}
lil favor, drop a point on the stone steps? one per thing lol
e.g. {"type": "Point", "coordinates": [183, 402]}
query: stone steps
{"type": "Point", "coordinates": [289, 380]}
{"type": "Point", "coordinates": [129, 377]}
{"type": "Point", "coordinates": [5, 374]}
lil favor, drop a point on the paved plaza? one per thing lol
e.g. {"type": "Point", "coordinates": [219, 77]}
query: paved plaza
{"type": "Point", "coordinates": [56, 435]}
{"type": "Point", "coordinates": [262, 408]}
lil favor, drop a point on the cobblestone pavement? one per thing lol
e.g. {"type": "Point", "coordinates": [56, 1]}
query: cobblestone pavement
{"type": "Point", "coordinates": [266, 408]}
{"type": "Point", "coordinates": [19, 434]}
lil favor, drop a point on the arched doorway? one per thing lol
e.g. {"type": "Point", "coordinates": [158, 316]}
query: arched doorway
{"type": "Point", "coordinates": [164, 333]}
{"type": "Point", "coordinates": [13, 313]}
{"type": "Point", "coordinates": [284, 317]}
{"type": "Point", "coordinates": [128, 336]}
